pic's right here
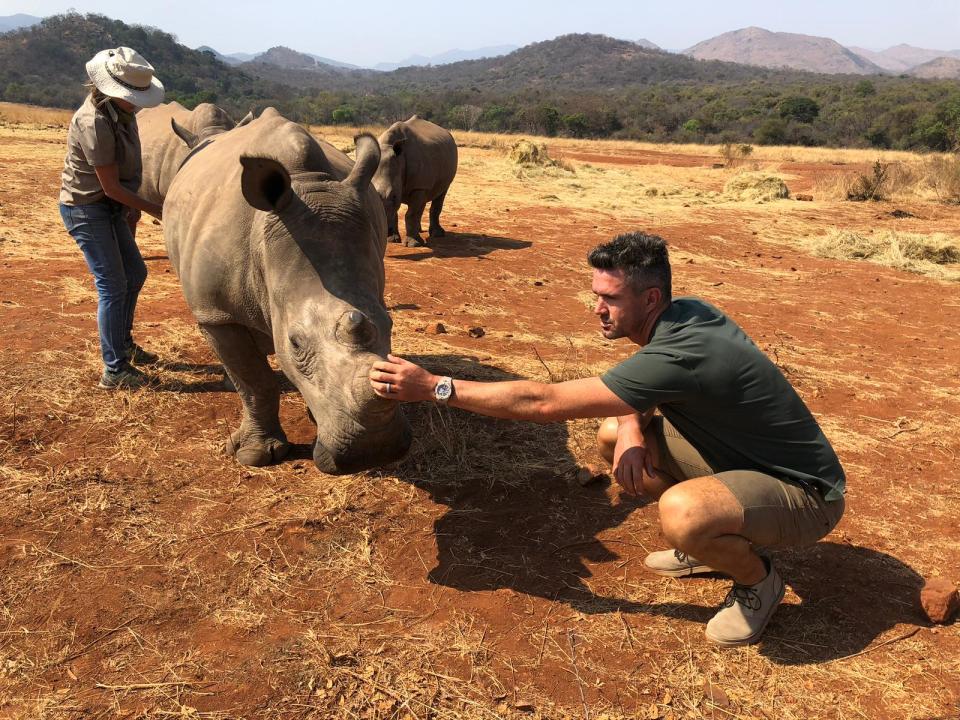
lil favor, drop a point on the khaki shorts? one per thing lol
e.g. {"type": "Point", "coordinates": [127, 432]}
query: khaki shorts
{"type": "Point", "coordinates": [776, 513]}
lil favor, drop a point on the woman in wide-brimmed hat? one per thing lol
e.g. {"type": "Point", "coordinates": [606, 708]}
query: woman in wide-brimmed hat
{"type": "Point", "coordinates": [100, 206]}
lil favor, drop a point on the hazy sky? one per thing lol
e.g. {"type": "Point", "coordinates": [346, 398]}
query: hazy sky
{"type": "Point", "coordinates": [372, 31]}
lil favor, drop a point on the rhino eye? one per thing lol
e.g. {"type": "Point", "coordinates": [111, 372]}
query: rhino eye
{"type": "Point", "coordinates": [296, 343]}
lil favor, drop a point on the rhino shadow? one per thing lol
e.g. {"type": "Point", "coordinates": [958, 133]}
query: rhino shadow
{"type": "Point", "coordinates": [462, 245]}
{"type": "Point", "coordinates": [849, 595]}
{"type": "Point", "coordinates": [516, 518]}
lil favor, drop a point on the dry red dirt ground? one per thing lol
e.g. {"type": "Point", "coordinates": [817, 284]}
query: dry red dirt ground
{"type": "Point", "coordinates": [144, 574]}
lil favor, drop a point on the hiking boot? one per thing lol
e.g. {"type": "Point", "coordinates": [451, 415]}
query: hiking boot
{"type": "Point", "coordinates": [746, 611]}
{"type": "Point", "coordinates": [673, 563]}
{"type": "Point", "coordinates": [138, 356]}
{"type": "Point", "coordinates": [126, 378]}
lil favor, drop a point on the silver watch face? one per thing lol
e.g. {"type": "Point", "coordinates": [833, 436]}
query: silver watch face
{"type": "Point", "coordinates": [444, 389]}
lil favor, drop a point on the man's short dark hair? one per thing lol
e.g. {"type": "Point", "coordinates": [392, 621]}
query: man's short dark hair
{"type": "Point", "coordinates": [642, 258]}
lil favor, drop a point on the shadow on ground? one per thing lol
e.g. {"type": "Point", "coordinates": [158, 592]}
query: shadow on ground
{"type": "Point", "coordinates": [462, 245]}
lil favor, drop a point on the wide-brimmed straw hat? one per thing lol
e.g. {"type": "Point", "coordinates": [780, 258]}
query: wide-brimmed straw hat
{"type": "Point", "coordinates": [124, 73]}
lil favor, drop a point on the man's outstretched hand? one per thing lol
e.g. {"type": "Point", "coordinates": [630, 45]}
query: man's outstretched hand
{"type": "Point", "coordinates": [402, 380]}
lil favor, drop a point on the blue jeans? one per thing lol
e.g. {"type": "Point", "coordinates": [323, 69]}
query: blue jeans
{"type": "Point", "coordinates": [119, 272]}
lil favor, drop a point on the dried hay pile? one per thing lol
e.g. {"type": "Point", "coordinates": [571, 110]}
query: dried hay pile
{"type": "Point", "coordinates": [922, 254]}
{"type": "Point", "coordinates": [527, 152]}
{"type": "Point", "coordinates": [755, 187]}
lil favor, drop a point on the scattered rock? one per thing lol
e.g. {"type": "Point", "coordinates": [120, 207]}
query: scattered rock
{"type": "Point", "coordinates": [589, 473]}
{"type": "Point", "coordinates": [525, 705]}
{"type": "Point", "coordinates": [476, 332]}
{"type": "Point", "coordinates": [436, 328]}
{"type": "Point", "coordinates": [715, 694]}
{"type": "Point", "coordinates": [902, 214]}
{"type": "Point", "coordinates": [940, 600]}
{"type": "Point", "coordinates": [717, 166]}
{"type": "Point", "coordinates": [805, 198]}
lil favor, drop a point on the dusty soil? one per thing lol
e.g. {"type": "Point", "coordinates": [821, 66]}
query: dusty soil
{"type": "Point", "coordinates": [144, 574]}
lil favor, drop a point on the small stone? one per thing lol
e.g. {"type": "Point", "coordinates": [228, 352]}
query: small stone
{"type": "Point", "coordinates": [524, 705]}
{"type": "Point", "coordinates": [715, 694]}
{"type": "Point", "coordinates": [940, 600]}
{"type": "Point", "coordinates": [589, 473]}
{"type": "Point", "coordinates": [436, 328]}
{"type": "Point", "coordinates": [805, 198]}
{"type": "Point", "coordinates": [477, 332]}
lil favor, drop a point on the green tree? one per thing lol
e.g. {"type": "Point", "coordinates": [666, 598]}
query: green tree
{"type": "Point", "coordinates": [801, 109]}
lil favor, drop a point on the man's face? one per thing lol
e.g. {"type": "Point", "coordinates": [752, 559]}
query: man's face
{"type": "Point", "coordinates": [621, 310]}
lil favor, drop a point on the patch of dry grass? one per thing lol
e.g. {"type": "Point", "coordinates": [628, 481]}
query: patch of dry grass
{"type": "Point", "coordinates": [936, 255]}
{"type": "Point", "coordinates": [934, 177]}
{"type": "Point", "coordinates": [31, 115]}
{"type": "Point", "coordinates": [756, 187]}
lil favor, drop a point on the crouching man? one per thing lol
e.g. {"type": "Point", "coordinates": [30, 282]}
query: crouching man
{"type": "Point", "coordinates": [734, 457]}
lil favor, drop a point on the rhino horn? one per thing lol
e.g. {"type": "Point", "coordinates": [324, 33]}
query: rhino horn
{"type": "Point", "coordinates": [265, 183]}
{"type": "Point", "coordinates": [181, 132]}
{"type": "Point", "coordinates": [246, 119]}
{"type": "Point", "coordinates": [368, 158]}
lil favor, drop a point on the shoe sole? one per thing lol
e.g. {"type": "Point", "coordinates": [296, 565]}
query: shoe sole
{"type": "Point", "coordinates": [695, 570]}
{"type": "Point", "coordinates": [757, 635]}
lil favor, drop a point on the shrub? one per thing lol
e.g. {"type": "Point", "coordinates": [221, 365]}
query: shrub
{"type": "Point", "coordinates": [772, 131]}
{"type": "Point", "coordinates": [870, 187]}
{"type": "Point", "coordinates": [734, 153]}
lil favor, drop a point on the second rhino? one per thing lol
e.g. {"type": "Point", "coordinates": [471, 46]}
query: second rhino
{"type": "Point", "coordinates": [418, 161]}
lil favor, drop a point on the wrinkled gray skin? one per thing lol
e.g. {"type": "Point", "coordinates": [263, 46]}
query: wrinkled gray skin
{"type": "Point", "coordinates": [418, 161]}
{"type": "Point", "coordinates": [161, 148]}
{"type": "Point", "coordinates": [278, 240]}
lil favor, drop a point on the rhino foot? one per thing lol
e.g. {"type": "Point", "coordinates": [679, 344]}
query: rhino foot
{"type": "Point", "coordinates": [256, 450]}
{"type": "Point", "coordinates": [437, 232]}
{"type": "Point", "coordinates": [395, 238]}
{"type": "Point", "coordinates": [414, 242]}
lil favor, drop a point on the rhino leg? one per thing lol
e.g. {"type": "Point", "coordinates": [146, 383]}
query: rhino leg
{"type": "Point", "coordinates": [393, 225]}
{"type": "Point", "coordinates": [415, 205]}
{"type": "Point", "coordinates": [436, 207]}
{"type": "Point", "coordinates": [260, 440]}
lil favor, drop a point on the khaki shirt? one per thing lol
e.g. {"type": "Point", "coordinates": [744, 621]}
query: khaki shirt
{"type": "Point", "coordinates": [93, 140]}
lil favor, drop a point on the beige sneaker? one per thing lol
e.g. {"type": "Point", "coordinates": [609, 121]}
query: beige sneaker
{"type": "Point", "coordinates": [746, 611]}
{"type": "Point", "coordinates": [673, 563]}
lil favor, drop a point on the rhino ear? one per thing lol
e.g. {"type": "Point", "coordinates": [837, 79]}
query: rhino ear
{"type": "Point", "coordinates": [246, 119]}
{"type": "Point", "coordinates": [368, 158]}
{"type": "Point", "coordinates": [181, 132]}
{"type": "Point", "coordinates": [265, 183]}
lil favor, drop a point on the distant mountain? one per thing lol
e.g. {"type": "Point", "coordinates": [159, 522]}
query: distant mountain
{"type": "Point", "coordinates": [913, 56]}
{"type": "Point", "coordinates": [946, 68]}
{"type": "Point", "coordinates": [445, 58]}
{"type": "Point", "coordinates": [644, 43]}
{"type": "Point", "coordinates": [43, 64]}
{"type": "Point", "coordinates": [15, 22]}
{"type": "Point", "coordinates": [879, 59]}
{"type": "Point", "coordinates": [280, 56]}
{"type": "Point", "coordinates": [756, 46]}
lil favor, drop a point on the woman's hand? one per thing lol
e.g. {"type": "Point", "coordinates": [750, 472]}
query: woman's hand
{"type": "Point", "coordinates": [399, 379]}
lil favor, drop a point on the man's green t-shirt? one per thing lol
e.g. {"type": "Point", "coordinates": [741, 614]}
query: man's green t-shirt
{"type": "Point", "coordinates": [726, 398]}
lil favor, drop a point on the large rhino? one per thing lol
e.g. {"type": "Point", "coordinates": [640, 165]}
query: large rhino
{"type": "Point", "coordinates": [163, 149]}
{"type": "Point", "coordinates": [418, 161]}
{"type": "Point", "coordinates": [278, 240]}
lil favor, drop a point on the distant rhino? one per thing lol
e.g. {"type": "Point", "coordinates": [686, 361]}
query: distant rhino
{"type": "Point", "coordinates": [164, 149]}
{"type": "Point", "coordinates": [278, 240]}
{"type": "Point", "coordinates": [418, 161]}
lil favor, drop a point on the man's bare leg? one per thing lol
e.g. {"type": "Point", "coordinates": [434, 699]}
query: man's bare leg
{"type": "Point", "coordinates": [702, 518]}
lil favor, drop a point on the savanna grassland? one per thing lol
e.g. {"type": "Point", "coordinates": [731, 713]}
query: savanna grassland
{"type": "Point", "coordinates": [145, 574]}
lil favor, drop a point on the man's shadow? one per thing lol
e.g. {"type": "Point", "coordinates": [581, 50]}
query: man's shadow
{"type": "Point", "coordinates": [462, 245]}
{"type": "Point", "coordinates": [517, 520]}
{"type": "Point", "coordinates": [849, 596]}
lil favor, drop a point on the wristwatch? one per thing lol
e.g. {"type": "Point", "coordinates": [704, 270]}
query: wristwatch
{"type": "Point", "coordinates": [443, 390]}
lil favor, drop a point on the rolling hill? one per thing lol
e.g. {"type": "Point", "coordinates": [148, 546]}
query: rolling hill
{"type": "Point", "coordinates": [756, 46]}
